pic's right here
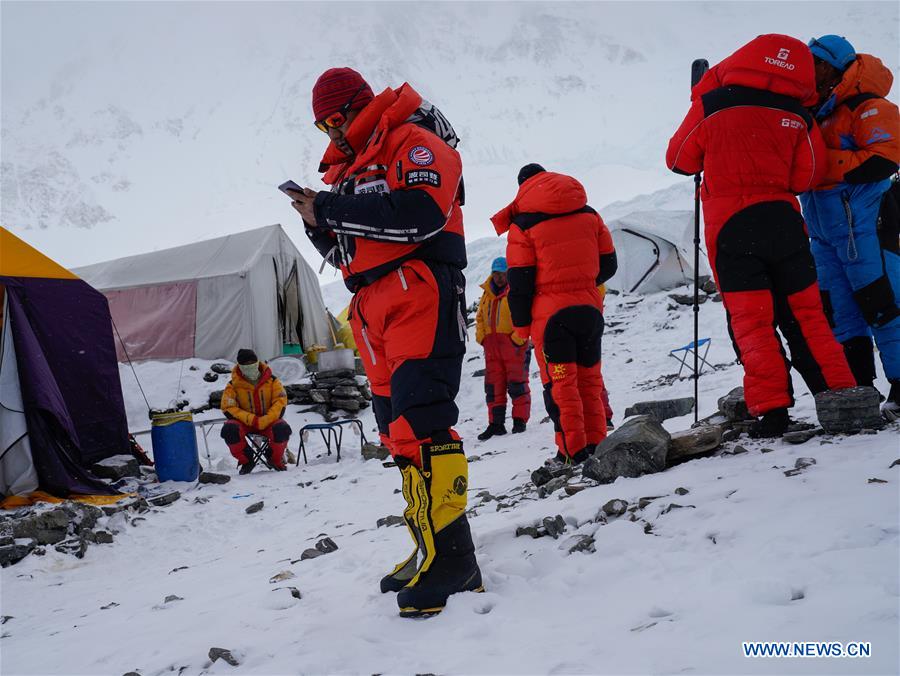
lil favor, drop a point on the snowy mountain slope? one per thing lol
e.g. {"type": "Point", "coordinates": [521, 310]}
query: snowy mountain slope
{"type": "Point", "coordinates": [129, 127]}
{"type": "Point", "coordinates": [751, 555]}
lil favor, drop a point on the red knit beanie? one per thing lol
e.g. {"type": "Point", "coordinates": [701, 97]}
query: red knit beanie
{"type": "Point", "coordinates": [335, 88]}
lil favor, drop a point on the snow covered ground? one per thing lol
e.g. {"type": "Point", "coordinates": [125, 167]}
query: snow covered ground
{"type": "Point", "coordinates": [753, 555]}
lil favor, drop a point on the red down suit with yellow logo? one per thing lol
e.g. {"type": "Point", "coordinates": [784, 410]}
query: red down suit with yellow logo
{"type": "Point", "coordinates": [558, 251]}
{"type": "Point", "coordinates": [749, 133]}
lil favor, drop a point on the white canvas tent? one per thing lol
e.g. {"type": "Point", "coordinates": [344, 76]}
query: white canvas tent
{"type": "Point", "coordinates": [209, 299]}
{"type": "Point", "coordinates": [654, 250]}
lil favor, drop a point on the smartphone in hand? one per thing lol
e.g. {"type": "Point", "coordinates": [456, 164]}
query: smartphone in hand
{"type": "Point", "coordinates": [289, 185]}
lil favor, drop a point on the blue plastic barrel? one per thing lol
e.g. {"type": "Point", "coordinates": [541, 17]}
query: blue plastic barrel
{"type": "Point", "coordinates": [175, 447]}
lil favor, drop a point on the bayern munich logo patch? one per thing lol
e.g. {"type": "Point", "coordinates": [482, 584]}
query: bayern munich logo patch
{"type": "Point", "coordinates": [421, 155]}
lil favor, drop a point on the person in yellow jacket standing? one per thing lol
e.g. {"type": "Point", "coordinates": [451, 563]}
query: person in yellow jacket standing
{"type": "Point", "coordinates": [254, 402]}
{"type": "Point", "coordinates": [506, 356]}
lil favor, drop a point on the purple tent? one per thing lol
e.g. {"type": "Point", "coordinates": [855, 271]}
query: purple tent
{"type": "Point", "coordinates": [59, 330]}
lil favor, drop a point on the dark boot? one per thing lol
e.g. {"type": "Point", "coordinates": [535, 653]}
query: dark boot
{"type": "Point", "coordinates": [453, 570]}
{"type": "Point", "coordinates": [773, 424]}
{"type": "Point", "coordinates": [518, 426]}
{"type": "Point", "coordinates": [247, 467]}
{"type": "Point", "coordinates": [861, 358]}
{"type": "Point", "coordinates": [493, 430]}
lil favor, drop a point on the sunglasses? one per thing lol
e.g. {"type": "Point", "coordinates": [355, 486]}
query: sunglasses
{"type": "Point", "coordinates": [337, 119]}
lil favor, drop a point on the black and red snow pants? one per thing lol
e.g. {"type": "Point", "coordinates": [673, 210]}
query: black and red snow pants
{"type": "Point", "coordinates": [506, 372]}
{"type": "Point", "coordinates": [763, 267]}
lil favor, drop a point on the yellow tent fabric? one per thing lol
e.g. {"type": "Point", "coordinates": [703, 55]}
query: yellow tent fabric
{"type": "Point", "coordinates": [16, 501]}
{"type": "Point", "coordinates": [18, 259]}
{"type": "Point", "coordinates": [345, 334]}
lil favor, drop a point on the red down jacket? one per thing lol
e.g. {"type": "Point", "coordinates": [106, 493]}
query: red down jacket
{"type": "Point", "coordinates": [558, 252]}
{"type": "Point", "coordinates": [397, 199]}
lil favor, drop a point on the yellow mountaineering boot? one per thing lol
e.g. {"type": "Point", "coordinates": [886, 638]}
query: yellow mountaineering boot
{"type": "Point", "coordinates": [438, 503]}
{"type": "Point", "coordinates": [404, 571]}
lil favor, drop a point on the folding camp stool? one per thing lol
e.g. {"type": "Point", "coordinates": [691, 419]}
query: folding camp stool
{"type": "Point", "coordinates": [332, 434]}
{"type": "Point", "coordinates": [258, 449]}
{"type": "Point", "coordinates": [688, 351]}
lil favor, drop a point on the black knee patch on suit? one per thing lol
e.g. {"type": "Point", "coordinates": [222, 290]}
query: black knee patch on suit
{"type": "Point", "coordinates": [861, 358]}
{"type": "Point", "coordinates": [281, 432]}
{"type": "Point", "coordinates": [876, 302]}
{"type": "Point", "coordinates": [515, 389]}
{"type": "Point", "coordinates": [552, 407]}
{"type": "Point", "coordinates": [423, 391]}
{"type": "Point", "coordinates": [764, 246]}
{"type": "Point", "coordinates": [231, 432]}
{"type": "Point", "coordinates": [489, 395]}
{"type": "Point", "coordinates": [889, 220]}
{"type": "Point", "coordinates": [574, 334]}
{"type": "Point", "coordinates": [381, 406]}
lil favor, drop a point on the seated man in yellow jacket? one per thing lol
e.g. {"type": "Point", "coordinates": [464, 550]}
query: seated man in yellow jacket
{"type": "Point", "coordinates": [254, 402]}
{"type": "Point", "coordinates": [506, 356]}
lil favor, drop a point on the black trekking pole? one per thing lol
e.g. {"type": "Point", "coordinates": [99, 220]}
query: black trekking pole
{"type": "Point", "coordinates": [698, 68]}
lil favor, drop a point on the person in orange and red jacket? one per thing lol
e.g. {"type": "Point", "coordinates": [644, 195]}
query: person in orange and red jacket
{"type": "Point", "coordinates": [853, 213]}
{"type": "Point", "coordinates": [392, 223]}
{"type": "Point", "coordinates": [506, 356]}
{"type": "Point", "coordinates": [558, 251]}
{"type": "Point", "coordinates": [254, 401]}
{"type": "Point", "coordinates": [749, 133]}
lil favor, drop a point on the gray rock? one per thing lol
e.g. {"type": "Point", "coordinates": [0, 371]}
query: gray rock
{"type": "Point", "coordinates": [675, 505]}
{"type": "Point", "coordinates": [221, 368]}
{"type": "Point", "coordinates": [553, 485]}
{"type": "Point", "coordinates": [681, 491]}
{"type": "Point", "coordinates": [849, 410]}
{"type": "Point", "coordinates": [638, 447]}
{"type": "Point", "coordinates": [172, 597]}
{"type": "Point", "coordinates": [326, 546]}
{"type": "Point", "coordinates": [799, 437]}
{"type": "Point", "coordinates": [117, 467]}
{"type": "Point", "coordinates": [803, 463]}
{"type": "Point", "coordinates": [214, 478]}
{"type": "Point", "coordinates": [255, 507]}
{"type": "Point", "coordinates": [100, 537]}
{"type": "Point", "coordinates": [345, 392]}
{"type": "Point", "coordinates": [662, 409]}
{"type": "Point", "coordinates": [320, 396]}
{"type": "Point", "coordinates": [734, 407]}
{"type": "Point", "coordinates": [533, 531]}
{"type": "Point", "coordinates": [45, 527]}
{"type": "Point", "coordinates": [540, 476]}
{"type": "Point", "coordinates": [643, 502]}
{"type": "Point", "coordinates": [349, 405]}
{"type": "Point", "coordinates": [694, 441]}
{"type": "Point", "coordinates": [614, 507]}
{"type": "Point", "coordinates": [709, 286]}
{"type": "Point", "coordinates": [737, 450]}
{"type": "Point", "coordinates": [310, 554]}
{"type": "Point", "coordinates": [687, 299]}
{"type": "Point", "coordinates": [479, 373]}
{"type": "Point", "coordinates": [10, 554]}
{"type": "Point", "coordinates": [164, 500]}
{"type": "Point", "coordinates": [391, 520]}
{"type": "Point", "coordinates": [75, 546]}
{"type": "Point", "coordinates": [580, 543]}
{"type": "Point", "coordinates": [210, 377]}
{"type": "Point", "coordinates": [554, 525]}
{"type": "Point", "coordinates": [223, 654]}
{"type": "Point", "coordinates": [82, 517]}
{"type": "Point", "coordinates": [215, 398]}
{"type": "Point", "coordinates": [372, 451]}
{"type": "Point", "coordinates": [731, 435]}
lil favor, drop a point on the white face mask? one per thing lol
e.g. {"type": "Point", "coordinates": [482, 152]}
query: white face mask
{"type": "Point", "coordinates": [250, 371]}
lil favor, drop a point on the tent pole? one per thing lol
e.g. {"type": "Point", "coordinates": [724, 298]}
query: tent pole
{"type": "Point", "coordinates": [698, 70]}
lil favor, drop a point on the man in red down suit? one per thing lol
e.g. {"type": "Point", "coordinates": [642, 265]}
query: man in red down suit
{"type": "Point", "coordinates": [559, 251]}
{"type": "Point", "coordinates": [750, 134]}
{"type": "Point", "coordinates": [392, 223]}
